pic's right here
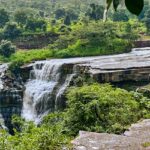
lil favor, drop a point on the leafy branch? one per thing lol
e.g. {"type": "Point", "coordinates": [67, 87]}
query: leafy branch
{"type": "Point", "coordinates": [134, 6]}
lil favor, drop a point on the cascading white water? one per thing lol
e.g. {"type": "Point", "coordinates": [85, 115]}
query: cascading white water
{"type": "Point", "coordinates": [44, 89]}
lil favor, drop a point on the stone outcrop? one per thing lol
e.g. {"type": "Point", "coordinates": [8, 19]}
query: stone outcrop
{"type": "Point", "coordinates": [137, 138]}
{"type": "Point", "coordinates": [142, 43]}
{"type": "Point", "coordinates": [134, 66]}
{"type": "Point", "coordinates": [11, 96]}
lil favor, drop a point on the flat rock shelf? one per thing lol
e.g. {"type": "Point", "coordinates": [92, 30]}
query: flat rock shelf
{"type": "Point", "coordinates": [137, 138]}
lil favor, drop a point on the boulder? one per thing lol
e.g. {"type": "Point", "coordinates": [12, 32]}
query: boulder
{"type": "Point", "coordinates": [137, 138]}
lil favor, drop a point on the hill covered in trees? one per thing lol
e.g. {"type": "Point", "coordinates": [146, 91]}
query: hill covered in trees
{"type": "Point", "coordinates": [64, 28]}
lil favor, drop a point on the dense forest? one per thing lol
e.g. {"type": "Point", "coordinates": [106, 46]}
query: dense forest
{"type": "Point", "coordinates": [67, 29]}
{"type": "Point", "coordinates": [33, 30]}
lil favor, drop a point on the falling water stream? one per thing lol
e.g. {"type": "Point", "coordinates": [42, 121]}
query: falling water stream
{"type": "Point", "coordinates": [44, 89]}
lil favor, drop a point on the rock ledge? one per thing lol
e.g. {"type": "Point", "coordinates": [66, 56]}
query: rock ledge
{"type": "Point", "coordinates": [137, 138]}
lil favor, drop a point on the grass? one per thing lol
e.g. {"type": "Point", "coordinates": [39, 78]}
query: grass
{"type": "Point", "coordinates": [147, 144]}
{"type": "Point", "coordinates": [145, 37]}
{"type": "Point", "coordinates": [32, 55]}
{"type": "Point", "coordinates": [76, 50]}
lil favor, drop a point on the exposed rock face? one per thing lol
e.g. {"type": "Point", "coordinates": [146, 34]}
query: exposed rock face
{"type": "Point", "coordinates": [134, 66]}
{"type": "Point", "coordinates": [134, 139]}
{"type": "Point", "coordinates": [11, 95]}
{"type": "Point", "coordinates": [142, 43]}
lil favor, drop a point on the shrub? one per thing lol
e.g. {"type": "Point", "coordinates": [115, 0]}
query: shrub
{"type": "Point", "coordinates": [11, 31]}
{"type": "Point", "coordinates": [44, 137]}
{"type": "Point", "coordinates": [102, 108]}
{"type": "Point", "coordinates": [120, 16]}
{"type": "Point", "coordinates": [4, 17]}
{"type": "Point", "coordinates": [95, 39]}
{"type": "Point", "coordinates": [7, 48]}
{"type": "Point", "coordinates": [36, 25]}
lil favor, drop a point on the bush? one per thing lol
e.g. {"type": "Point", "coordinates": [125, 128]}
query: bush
{"type": "Point", "coordinates": [102, 108]}
{"type": "Point", "coordinates": [4, 17]}
{"type": "Point", "coordinates": [32, 55]}
{"type": "Point", "coordinates": [95, 39]}
{"type": "Point", "coordinates": [11, 31]}
{"type": "Point", "coordinates": [36, 24]}
{"type": "Point", "coordinates": [48, 137]}
{"type": "Point", "coordinates": [7, 48]}
{"type": "Point", "coordinates": [120, 16]}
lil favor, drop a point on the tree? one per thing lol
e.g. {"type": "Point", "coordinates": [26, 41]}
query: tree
{"type": "Point", "coordinates": [147, 21]}
{"type": "Point", "coordinates": [20, 17]}
{"type": "Point", "coordinates": [11, 30]}
{"type": "Point", "coordinates": [120, 16]}
{"type": "Point", "coordinates": [60, 13]}
{"type": "Point", "coordinates": [4, 17]}
{"type": "Point", "coordinates": [72, 14]}
{"type": "Point", "coordinates": [36, 24]}
{"type": "Point", "coordinates": [144, 11]}
{"type": "Point", "coordinates": [134, 6]}
{"type": "Point", "coordinates": [95, 12]}
{"type": "Point", "coordinates": [7, 48]}
{"type": "Point", "coordinates": [67, 20]}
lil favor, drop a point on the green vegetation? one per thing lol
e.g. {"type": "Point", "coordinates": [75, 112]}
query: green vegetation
{"type": "Point", "coordinates": [72, 28]}
{"type": "Point", "coordinates": [147, 144]}
{"type": "Point", "coordinates": [69, 29]}
{"type": "Point", "coordinates": [99, 108]}
{"type": "Point", "coordinates": [102, 108]}
{"type": "Point", "coordinates": [45, 137]}
{"type": "Point", "coordinates": [95, 38]}
{"type": "Point", "coordinates": [32, 55]}
{"type": "Point", "coordinates": [6, 48]}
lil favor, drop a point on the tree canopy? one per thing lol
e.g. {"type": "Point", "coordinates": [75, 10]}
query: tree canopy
{"type": "Point", "coordinates": [134, 6]}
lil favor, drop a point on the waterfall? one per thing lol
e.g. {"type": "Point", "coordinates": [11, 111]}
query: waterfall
{"type": "Point", "coordinates": [44, 90]}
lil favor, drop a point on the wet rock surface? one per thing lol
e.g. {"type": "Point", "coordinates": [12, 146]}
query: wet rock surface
{"type": "Point", "coordinates": [135, 139]}
{"type": "Point", "coordinates": [11, 96]}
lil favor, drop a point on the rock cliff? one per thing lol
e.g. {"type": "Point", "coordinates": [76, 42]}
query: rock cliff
{"type": "Point", "coordinates": [11, 97]}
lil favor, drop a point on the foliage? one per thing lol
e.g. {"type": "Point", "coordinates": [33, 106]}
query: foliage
{"type": "Point", "coordinates": [32, 55]}
{"type": "Point", "coordinates": [102, 108]}
{"type": "Point", "coordinates": [67, 20]}
{"type": "Point", "coordinates": [60, 13]}
{"type": "Point", "coordinates": [120, 16]}
{"type": "Point", "coordinates": [96, 38]}
{"type": "Point", "coordinates": [11, 30]}
{"type": "Point", "coordinates": [21, 17]}
{"type": "Point", "coordinates": [147, 144]}
{"type": "Point", "coordinates": [95, 12]}
{"type": "Point", "coordinates": [34, 138]}
{"type": "Point", "coordinates": [133, 6]}
{"type": "Point", "coordinates": [94, 107]}
{"type": "Point", "coordinates": [4, 17]}
{"type": "Point", "coordinates": [36, 24]}
{"type": "Point", "coordinates": [147, 21]}
{"type": "Point", "coordinates": [7, 48]}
